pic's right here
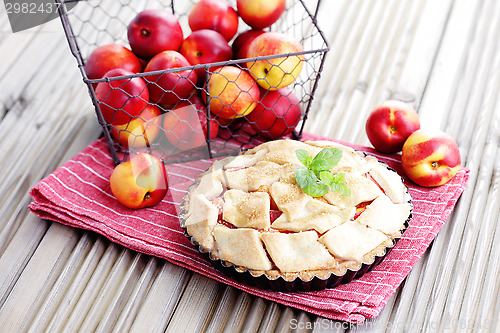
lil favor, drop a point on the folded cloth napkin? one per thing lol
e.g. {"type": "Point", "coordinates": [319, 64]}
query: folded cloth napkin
{"type": "Point", "coordinates": [78, 194]}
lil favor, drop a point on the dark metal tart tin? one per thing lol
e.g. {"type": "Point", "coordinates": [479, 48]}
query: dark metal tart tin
{"type": "Point", "coordinates": [280, 284]}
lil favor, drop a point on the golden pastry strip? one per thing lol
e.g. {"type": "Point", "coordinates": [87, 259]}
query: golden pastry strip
{"type": "Point", "coordinates": [316, 215]}
{"type": "Point", "coordinates": [362, 190]}
{"type": "Point", "coordinates": [384, 215]}
{"type": "Point", "coordinates": [352, 240]}
{"type": "Point", "coordinates": [247, 210]}
{"type": "Point", "coordinates": [241, 247]}
{"type": "Point", "coordinates": [297, 251]}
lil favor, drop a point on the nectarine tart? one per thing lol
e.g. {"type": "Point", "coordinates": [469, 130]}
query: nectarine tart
{"type": "Point", "coordinates": [291, 215]}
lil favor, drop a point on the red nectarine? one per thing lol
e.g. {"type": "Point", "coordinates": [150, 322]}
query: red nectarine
{"type": "Point", "coordinates": [277, 114]}
{"type": "Point", "coordinates": [203, 47]}
{"type": "Point", "coordinates": [140, 182]}
{"type": "Point", "coordinates": [231, 92]}
{"type": "Point", "coordinates": [390, 124]}
{"type": "Point", "coordinates": [108, 57]}
{"type": "Point", "coordinates": [169, 88]}
{"type": "Point", "coordinates": [430, 158]}
{"type": "Point", "coordinates": [153, 31]}
{"type": "Point", "coordinates": [242, 41]}
{"type": "Point", "coordinates": [122, 99]}
{"type": "Point", "coordinates": [183, 128]}
{"type": "Point", "coordinates": [216, 15]}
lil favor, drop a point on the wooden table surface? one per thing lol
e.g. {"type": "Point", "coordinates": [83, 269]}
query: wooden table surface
{"type": "Point", "coordinates": [441, 56]}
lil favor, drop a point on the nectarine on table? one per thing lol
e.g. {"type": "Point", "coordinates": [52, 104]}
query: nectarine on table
{"type": "Point", "coordinates": [140, 182]}
{"type": "Point", "coordinates": [430, 158]}
{"type": "Point", "coordinates": [390, 124]}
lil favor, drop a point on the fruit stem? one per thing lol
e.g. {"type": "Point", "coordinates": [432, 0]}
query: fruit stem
{"type": "Point", "coordinates": [434, 164]}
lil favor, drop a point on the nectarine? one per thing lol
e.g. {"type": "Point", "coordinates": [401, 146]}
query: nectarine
{"type": "Point", "coordinates": [277, 72]}
{"type": "Point", "coordinates": [390, 124]}
{"type": "Point", "coordinates": [122, 99]}
{"type": "Point", "coordinates": [242, 41]}
{"type": "Point", "coordinates": [110, 56]}
{"type": "Point", "coordinates": [153, 31]}
{"type": "Point", "coordinates": [277, 114]}
{"type": "Point", "coordinates": [205, 46]}
{"type": "Point", "coordinates": [231, 92]}
{"type": "Point", "coordinates": [216, 15]}
{"type": "Point", "coordinates": [168, 88]}
{"type": "Point", "coordinates": [260, 14]}
{"type": "Point", "coordinates": [140, 182]}
{"type": "Point", "coordinates": [183, 128]}
{"type": "Point", "coordinates": [140, 131]}
{"type": "Point", "coordinates": [430, 158]}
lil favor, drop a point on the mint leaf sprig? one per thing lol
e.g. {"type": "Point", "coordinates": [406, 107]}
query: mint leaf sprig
{"type": "Point", "coordinates": [315, 176]}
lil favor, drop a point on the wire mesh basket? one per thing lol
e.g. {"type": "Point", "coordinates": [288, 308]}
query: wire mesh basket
{"type": "Point", "coordinates": [195, 111]}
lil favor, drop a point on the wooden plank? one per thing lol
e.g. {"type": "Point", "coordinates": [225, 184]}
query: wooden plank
{"type": "Point", "coordinates": [487, 301]}
{"type": "Point", "coordinates": [161, 301]}
{"type": "Point", "coordinates": [38, 276]}
{"type": "Point", "coordinates": [92, 249]}
{"type": "Point", "coordinates": [196, 306]}
{"type": "Point", "coordinates": [91, 295]}
{"type": "Point", "coordinates": [440, 93]}
{"type": "Point", "coordinates": [221, 317]}
{"type": "Point", "coordinates": [238, 312]}
{"type": "Point", "coordinates": [120, 315]}
{"type": "Point", "coordinates": [36, 165]}
{"type": "Point", "coordinates": [16, 256]}
{"type": "Point", "coordinates": [75, 265]}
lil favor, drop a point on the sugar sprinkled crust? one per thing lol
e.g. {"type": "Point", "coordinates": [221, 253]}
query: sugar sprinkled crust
{"type": "Point", "coordinates": [267, 224]}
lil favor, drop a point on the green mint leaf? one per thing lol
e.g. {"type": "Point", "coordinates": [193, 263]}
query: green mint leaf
{"type": "Point", "coordinates": [304, 177]}
{"type": "Point", "coordinates": [339, 178]}
{"type": "Point", "coordinates": [303, 156]}
{"type": "Point", "coordinates": [317, 189]}
{"type": "Point", "coordinates": [327, 177]}
{"type": "Point", "coordinates": [319, 165]}
{"type": "Point", "coordinates": [315, 176]}
{"type": "Point", "coordinates": [339, 185]}
{"type": "Point", "coordinates": [326, 159]}
{"type": "Point", "coordinates": [343, 189]}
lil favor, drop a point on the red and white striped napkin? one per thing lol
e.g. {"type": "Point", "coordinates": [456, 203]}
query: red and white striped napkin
{"type": "Point", "coordinates": [78, 194]}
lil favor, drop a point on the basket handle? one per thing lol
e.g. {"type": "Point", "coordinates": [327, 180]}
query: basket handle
{"type": "Point", "coordinates": [316, 11]}
{"type": "Point", "coordinates": [312, 14]}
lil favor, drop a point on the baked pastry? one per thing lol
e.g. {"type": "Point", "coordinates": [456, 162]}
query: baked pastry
{"type": "Point", "coordinates": [253, 219]}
